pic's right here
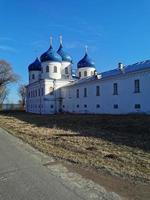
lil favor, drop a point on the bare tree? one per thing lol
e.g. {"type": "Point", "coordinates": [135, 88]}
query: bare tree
{"type": "Point", "coordinates": [7, 76]}
{"type": "Point", "coordinates": [22, 94]}
{"type": "Point", "coordinates": [3, 93]}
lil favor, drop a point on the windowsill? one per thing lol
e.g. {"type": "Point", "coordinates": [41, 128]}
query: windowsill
{"type": "Point", "coordinates": [115, 94]}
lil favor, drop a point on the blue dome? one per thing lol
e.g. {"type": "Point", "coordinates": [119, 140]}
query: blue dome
{"type": "Point", "coordinates": [35, 66]}
{"type": "Point", "coordinates": [86, 62]}
{"type": "Point", "coordinates": [50, 55]}
{"type": "Point", "coordinates": [64, 55]}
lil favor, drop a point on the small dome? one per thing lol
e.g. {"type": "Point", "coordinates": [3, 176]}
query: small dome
{"type": "Point", "coordinates": [50, 55]}
{"type": "Point", "coordinates": [63, 54]}
{"type": "Point", "coordinates": [35, 66]}
{"type": "Point", "coordinates": [86, 62]}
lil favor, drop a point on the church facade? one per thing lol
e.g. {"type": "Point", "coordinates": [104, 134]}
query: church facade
{"type": "Point", "coordinates": [53, 88]}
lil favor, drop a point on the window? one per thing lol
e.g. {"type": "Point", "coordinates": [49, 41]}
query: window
{"type": "Point", "coordinates": [85, 92]}
{"type": "Point", "coordinates": [78, 106]}
{"type": "Point", "coordinates": [69, 93]}
{"type": "Point", "coordinates": [42, 91]}
{"type": "Point", "coordinates": [39, 92]}
{"type": "Point", "coordinates": [137, 86]}
{"type": "Point", "coordinates": [97, 90]}
{"type": "Point", "coordinates": [51, 90]}
{"type": "Point", "coordinates": [47, 68]}
{"type": "Point", "coordinates": [63, 106]}
{"type": "Point", "coordinates": [85, 73]}
{"type": "Point", "coordinates": [55, 69]}
{"type": "Point", "coordinates": [137, 106]}
{"type": "Point", "coordinates": [41, 70]}
{"type": "Point", "coordinates": [115, 106]}
{"type": "Point", "coordinates": [52, 106]}
{"type": "Point", "coordinates": [77, 93]}
{"type": "Point", "coordinates": [85, 106]}
{"type": "Point", "coordinates": [115, 87]}
{"type": "Point", "coordinates": [79, 74]}
{"type": "Point", "coordinates": [97, 106]}
{"type": "Point", "coordinates": [66, 70]}
{"type": "Point", "coordinates": [33, 76]}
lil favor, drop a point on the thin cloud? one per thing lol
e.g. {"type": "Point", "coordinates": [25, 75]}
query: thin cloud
{"type": "Point", "coordinates": [89, 29]}
{"type": "Point", "coordinates": [6, 39]}
{"type": "Point", "coordinates": [83, 28]}
{"type": "Point", "coordinates": [38, 43]}
{"type": "Point", "coordinates": [73, 45]}
{"type": "Point", "coordinates": [37, 46]}
{"type": "Point", "coordinates": [7, 49]}
{"type": "Point", "coordinates": [79, 45]}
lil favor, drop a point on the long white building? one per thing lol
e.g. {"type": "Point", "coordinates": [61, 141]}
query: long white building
{"type": "Point", "coordinates": [53, 88]}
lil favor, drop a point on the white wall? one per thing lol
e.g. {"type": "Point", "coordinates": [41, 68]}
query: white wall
{"type": "Point", "coordinates": [46, 102]}
{"type": "Point", "coordinates": [34, 101]}
{"type": "Point", "coordinates": [126, 98]}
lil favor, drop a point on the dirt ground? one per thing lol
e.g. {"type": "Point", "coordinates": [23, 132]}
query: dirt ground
{"type": "Point", "coordinates": [118, 146]}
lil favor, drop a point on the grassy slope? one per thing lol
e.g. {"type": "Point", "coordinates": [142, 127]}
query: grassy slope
{"type": "Point", "coordinates": [119, 145]}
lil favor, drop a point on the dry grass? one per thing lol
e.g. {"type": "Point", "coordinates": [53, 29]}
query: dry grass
{"type": "Point", "coordinates": [119, 145]}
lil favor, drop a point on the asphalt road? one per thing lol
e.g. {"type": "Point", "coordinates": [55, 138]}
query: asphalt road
{"type": "Point", "coordinates": [23, 176]}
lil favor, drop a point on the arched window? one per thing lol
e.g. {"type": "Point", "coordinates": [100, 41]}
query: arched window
{"type": "Point", "coordinates": [77, 93]}
{"type": "Point", "coordinates": [97, 90]}
{"type": "Point", "coordinates": [79, 74]}
{"type": "Point", "coordinates": [47, 68]}
{"type": "Point", "coordinates": [66, 70]}
{"type": "Point", "coordinates": [33, 76]}
{"type": "Point", "coordinates": [85, 73]}
{"type": "Point", "coordinates": [85, 92]}
{"type": "Point", "coordinates": [55, 69]}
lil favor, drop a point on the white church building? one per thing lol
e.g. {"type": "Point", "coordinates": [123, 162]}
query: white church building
{"type": "Point", "coordinates": [54, 88]}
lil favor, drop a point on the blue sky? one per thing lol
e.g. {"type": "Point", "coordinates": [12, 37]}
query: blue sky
{"type": "Point", "coordinates": [114, 30]}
